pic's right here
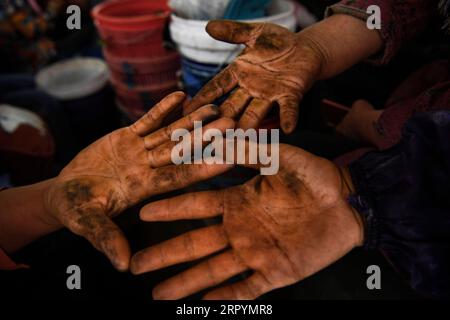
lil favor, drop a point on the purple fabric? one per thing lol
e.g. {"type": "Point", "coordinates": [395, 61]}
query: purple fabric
{"type": "Point", "coordinates": [403, 194]}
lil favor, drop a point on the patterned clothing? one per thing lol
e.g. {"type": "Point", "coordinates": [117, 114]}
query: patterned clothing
{"type": "Point", "coordinates": [402, 190]}
{"type": "Point", "coordinates": [427, 89]}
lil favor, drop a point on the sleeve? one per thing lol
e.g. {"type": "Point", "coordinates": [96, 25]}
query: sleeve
{"type": "Point", "coordinates": [400, 20]}
{"type": "Point", "coordinates": [403, 196]}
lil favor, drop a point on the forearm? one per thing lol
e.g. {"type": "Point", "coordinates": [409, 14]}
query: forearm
{"type": "Point", "coordinates": [23, 215]}
{"type": "Point", "coordinates": [342, 41]}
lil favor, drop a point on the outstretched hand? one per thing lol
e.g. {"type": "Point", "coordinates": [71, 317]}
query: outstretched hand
{"type": "Point", "coordinates": [122, 169]}
{"type": "Point", "coordinates": [277, 66]}
{"type": "Point", "coordinates": [283, 227]}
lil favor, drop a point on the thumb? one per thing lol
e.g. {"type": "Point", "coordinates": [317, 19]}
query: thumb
{"type": "Point", "coordinates": [104, 235]}
{"type": "Point", "coordinates": [232, 31]}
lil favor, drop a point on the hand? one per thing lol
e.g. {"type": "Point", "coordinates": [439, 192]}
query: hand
{"type": "Point", "coordinates": [122, 169]}
{"type": "Point", "coordinates": [284, 228]}
{"type": "Point", "coordinates": [277, 66]}
{"type": "Point", "coordinates": [360, 123]}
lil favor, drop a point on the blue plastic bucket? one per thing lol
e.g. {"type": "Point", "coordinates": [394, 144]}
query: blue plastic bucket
{"type": "Point", "coordinates": [196, 74]}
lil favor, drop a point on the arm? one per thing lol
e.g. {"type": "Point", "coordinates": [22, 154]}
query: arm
{"type": "Point", "coordinates": [403, 193]}
{"type": "Point", "coordinates": [343, 41]}
{"type": "Point", "coordinates": [400, 21]}
{"type": "Point", "coordinates": [279, 66]}
{"type": "Point", "coordinates": [288, 226]}
{"type": "Point", "coordinates": [23, 216]}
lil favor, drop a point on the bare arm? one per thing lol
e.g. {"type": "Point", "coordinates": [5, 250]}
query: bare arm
{"type": "Point", "coordinates": [344, 41]}
{"type": "Point", "coordinates": [23, 216]}
{"type": "Point", "coordinates": [112, 174]}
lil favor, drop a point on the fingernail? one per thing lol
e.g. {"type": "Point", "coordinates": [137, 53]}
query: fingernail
{"type": "Point", "coordinates": [120, 265]}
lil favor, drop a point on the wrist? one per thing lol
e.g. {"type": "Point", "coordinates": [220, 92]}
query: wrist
{"type": "Point", "coordinates": [24, 216]}
{"type": "Point", "coordinates": [307, 40]}
{"type": "Point", "coordinates": [343, 41]}
{"type": "Point", "coordinates": [48, 218]}
{"type": "Point", "coordinates": [348, 189]}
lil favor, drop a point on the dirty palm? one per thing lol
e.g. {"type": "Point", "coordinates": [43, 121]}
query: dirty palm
{"type": "Point", "coordinates": [120, 170]}
{"type": "Point", "coordinates": [282, 227]}
{"type": "Point", "coordinates": [276, 67]}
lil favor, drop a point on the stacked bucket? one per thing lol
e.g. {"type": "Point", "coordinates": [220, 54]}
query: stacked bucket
{"type": "Point", "coordinates": [203, 57]}
{"type": "Point", "coordinates": [142, 70]}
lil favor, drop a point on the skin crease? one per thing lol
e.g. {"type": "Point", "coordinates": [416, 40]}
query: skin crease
{"type": "Point", "coordinates": [283, 227]}
{"type": "Point", "coordinates": [279, 66]}
{"type": "Point", "coordinates": [120, 170]}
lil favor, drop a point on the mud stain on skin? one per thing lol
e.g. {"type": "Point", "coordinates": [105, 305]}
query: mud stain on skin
{"type": "Point", "coordinates": [77, 192]}
{"type": "Point", "coordinates": [100, 231]}
{"type": "Point", "coordinates": [292, 182]}
{"type": "Point", "coordinates": [268, 42]}
{"type": "Point", "coordinates": [211, 117]}
{"type": "Point", "coordinates": [133, 183]}
{"type": "Point", "coordinates": [242, 28]}
{"type": "Point", "coordinates": [165, 179]}
{"type": "Point", "coordinates": [89, 219]}
{"type": "Point", "coordinates": [257, 184]}
{"type": "Point", "coordinates": [229, 31]}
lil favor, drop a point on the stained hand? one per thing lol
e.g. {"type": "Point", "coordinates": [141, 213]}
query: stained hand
{"type": "Point", "coordinates": [277, 66]}
{"type": "Point", "coordinates": [122, 169]}
{"type": "Point", "coordinates": [283, 228]}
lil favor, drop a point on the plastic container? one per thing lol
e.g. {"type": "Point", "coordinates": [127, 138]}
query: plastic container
{"type": "Point", "coordinates": [131, 115]}
{"type": "Point", "coordinates": [195, 44]}
{"type": "Point", "coordinates": [73, 78]}
{"type": "Point", "coordinates": [81, 86]}
{"type": "Point", "coordinates": [132, 28]}
{"type": "Point", "coordinates": [139, 100]}
{"type": "Point", "coordinates": [154, 71]}
{"type": "Point", "coordinates": [196, 75]}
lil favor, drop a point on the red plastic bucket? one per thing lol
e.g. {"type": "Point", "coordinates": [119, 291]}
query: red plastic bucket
{"type": "Point", "coordinates": [140, 99]}
{"type": "Point", "coordinates": [132, 28]}
{"type": "Point", "coordinates": [154, 71]}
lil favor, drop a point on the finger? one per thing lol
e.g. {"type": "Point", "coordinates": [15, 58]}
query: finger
{"type": "Point", "coordinates": [207, 274]}
{"type": "Point", "coordinates": [189, 246]}
{"type": "Point", "coordinates": [162, 155]}
{"type": "Point", "coordinates": [153, 118]}
{"type": "Point", "coordinates": [255, 113]}
{"type": "Point", "coordinates": [248, 289]}
{"type": "Point", "coordinates": [160, 136]}
{"type": "Point", "coordinates": [245, 151]}
{"type": "Point", "coordinates": [196, 205]}
{"type": "Point", "coordinates": [173, 177]}
{"type": "Point", "coordinates": [104, 235]}
{"type": "Point", "coordinates": [288, 113]}
{"type": "Point", "coordinates": [222, 83]}
{"type": "Point", "coordinates": [233, 32]}
{"type": "Point", "coordinates": [234, 104]}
